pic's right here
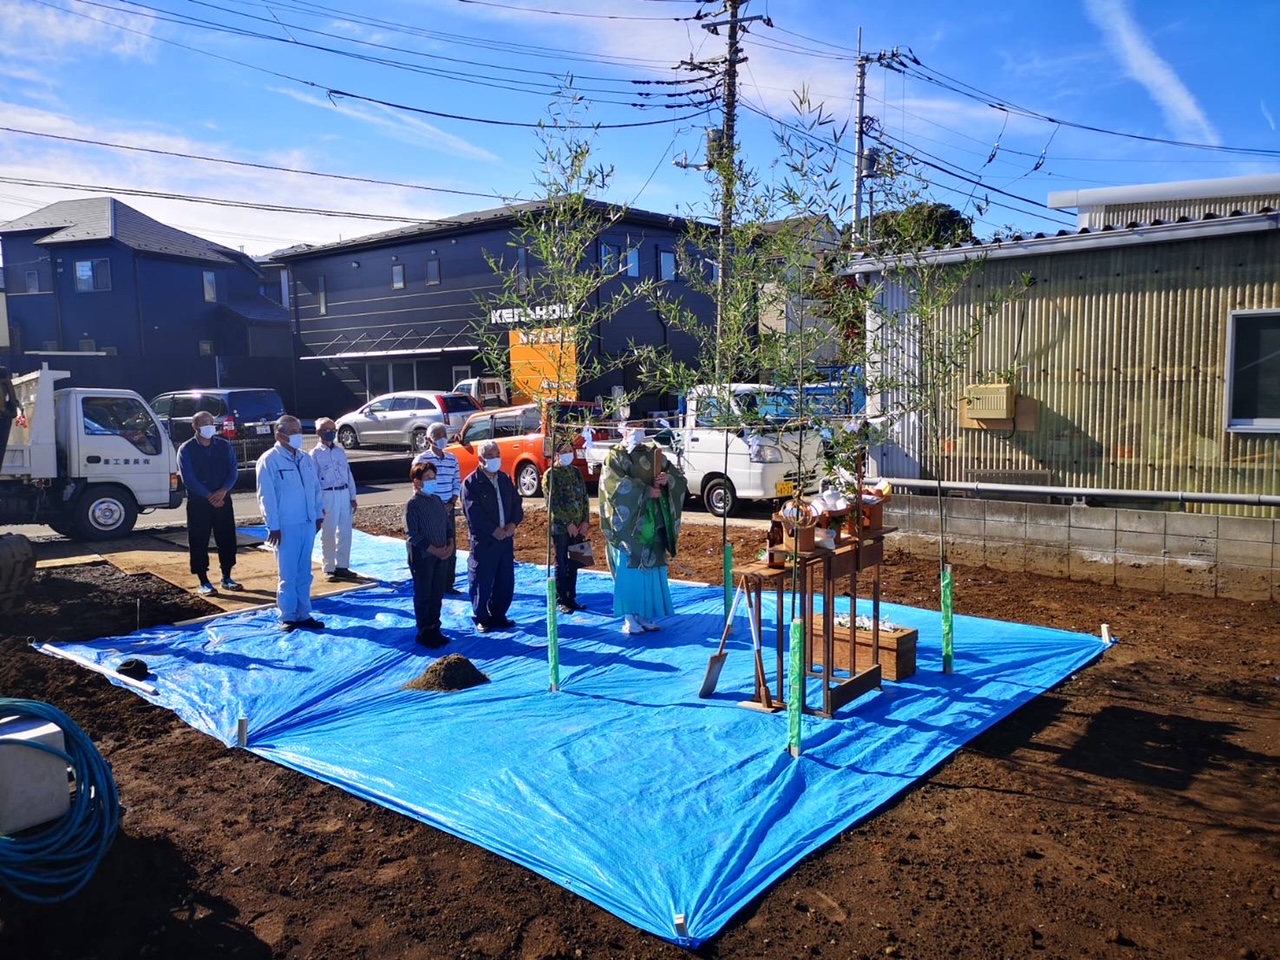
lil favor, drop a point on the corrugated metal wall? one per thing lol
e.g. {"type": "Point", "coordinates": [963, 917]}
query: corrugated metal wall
{"type": "Point", "coordinates": [1169, 211]}
{"type": "Point", "coordinates": [1124, 350]}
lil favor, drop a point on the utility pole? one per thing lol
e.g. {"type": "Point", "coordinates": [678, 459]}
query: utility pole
{"type": "Point", "coordinates": [865, 162]}
{"type": "Point", "coordinates": [725, 161]}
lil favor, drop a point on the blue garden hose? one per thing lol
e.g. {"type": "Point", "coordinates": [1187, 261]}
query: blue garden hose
{"type": "Point", "coordinates": [52, 862]}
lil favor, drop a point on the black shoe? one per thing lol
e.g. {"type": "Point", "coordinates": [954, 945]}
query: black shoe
{"type": "Point", "coordinates": [432, 639]}
{"type": "Point", "coordinates": [288, 626]}
{"type": "Point", "coordinates": [452, 592]}
{"type": "Point", "coordinates": [342, 573]}
{"type": "Point", "coordinates": [311, 623]}
{"type": "Point", "coordinates": [483, 626]}
{"type": "Point", "coordinates": [504, 623]}
{"type": "Point", "coordinates": [579, 606]}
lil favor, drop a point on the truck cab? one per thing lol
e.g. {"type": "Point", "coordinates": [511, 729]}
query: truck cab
{"type": "Point", "coordinates": [85, 460]}
{"type": "Point", "coordinates": [739, 441]}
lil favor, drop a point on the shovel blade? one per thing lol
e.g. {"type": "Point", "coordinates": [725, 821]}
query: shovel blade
{"type": "Point", "coordinates": [714, 666]}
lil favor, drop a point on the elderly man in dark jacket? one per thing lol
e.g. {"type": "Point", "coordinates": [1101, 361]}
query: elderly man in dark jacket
{"type": "Point", "coordinates": [493, 510]}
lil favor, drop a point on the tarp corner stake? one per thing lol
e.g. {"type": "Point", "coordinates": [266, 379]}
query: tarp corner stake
{"type": "Point", "coordinates": [682, 928]}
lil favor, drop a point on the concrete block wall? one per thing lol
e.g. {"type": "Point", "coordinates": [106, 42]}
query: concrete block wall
{"type": "Point", "coordinates": [1164, 552]}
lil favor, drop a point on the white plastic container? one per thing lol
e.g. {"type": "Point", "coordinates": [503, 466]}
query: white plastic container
{"type": "Point", "coordinates": [33, 784]}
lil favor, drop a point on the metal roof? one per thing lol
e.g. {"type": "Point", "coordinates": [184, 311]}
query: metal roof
{"type": "Point", "coordinates": [1259, 184]}
{"type": "Point", "coordinates": [106, 218]}
{"type": "Point", "coordinates": [1077, 241]}
{"type": "Point", "coordinates": [469, 223]}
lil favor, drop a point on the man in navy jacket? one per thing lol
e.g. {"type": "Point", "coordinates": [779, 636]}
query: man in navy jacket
{"type": "Point", "coordinates": [493, 510]}
{"type": "Point", "coordinates": [207, 465]}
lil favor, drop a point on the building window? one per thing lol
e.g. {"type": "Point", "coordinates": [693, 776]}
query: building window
{"type": "Point", "coordinates": [522, 270]}
{"type": "Point", "coordinates": [93, 275]}
{"type": "Point", "coordinates": [633, 262]}
{"type": "Point", "coordinates": [433, 273]}
{"type": "Point", "coordinates": [397, 276]}
{"type": "Point", "coordinates": [667, 265]}
{"type": "Point", "coordinates": [210, 286]}
{"type": "Point", "coordinates": [322, 296]}
{"type": "Point", "coordinates": [33, 281]}
{"type": "Point", "coordinates": [206, 348]}
{"type": "Point", "coordinates": [1253, 372]}
{"type": "Point", "coordinates": [617, 260]}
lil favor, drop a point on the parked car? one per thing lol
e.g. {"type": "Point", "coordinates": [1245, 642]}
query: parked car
{"type": "Point", "coordinates": [401, 419]}
{"type": "Point", "coordinates": [521, 434]}
{"type": "Point", "coordinates": [244, 415]}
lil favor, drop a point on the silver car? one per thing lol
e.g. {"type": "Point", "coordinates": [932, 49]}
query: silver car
{"type": "Point", "coordinates": [401, 419]}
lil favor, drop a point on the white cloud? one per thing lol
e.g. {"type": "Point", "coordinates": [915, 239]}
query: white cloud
{"type": "Point", "coordinates": [395, 123]}
{"type": "Point", "coordinates": [44, 160]}
{"type": "Point", "coordinates": [1135, 50]}
{"type": "Point", "coordinates": [1262, 105]}
{"type": "Point", "coordinates": [35, 33]}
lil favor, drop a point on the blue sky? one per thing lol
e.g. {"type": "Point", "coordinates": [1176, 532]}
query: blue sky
{"type": "Point", "coordinates": [243, 80]}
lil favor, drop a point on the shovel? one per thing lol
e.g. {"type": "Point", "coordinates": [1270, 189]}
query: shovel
{"type": "Point", "coordinates": [716, 663]}
{"type": "Point", "coordinates": [762, 684]}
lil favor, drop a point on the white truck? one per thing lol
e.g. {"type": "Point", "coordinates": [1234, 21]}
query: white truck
{"type": "Point", "coordinates": [83, 460]}
{"type": "Point", "coordinates": [738, 441]}
{"type": "Point", "coordinates": [489, 391]}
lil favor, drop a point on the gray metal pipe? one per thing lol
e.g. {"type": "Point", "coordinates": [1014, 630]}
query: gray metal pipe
{"type": "Point", "coordinates": [1164, 496]}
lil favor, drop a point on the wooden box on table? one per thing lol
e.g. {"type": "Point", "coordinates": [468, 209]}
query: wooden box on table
{"type": "Point", "coordinates": [897, 650]}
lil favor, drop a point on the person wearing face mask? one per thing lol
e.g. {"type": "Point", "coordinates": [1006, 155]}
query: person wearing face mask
{"type": "Point", "coordinates": [430, 547]}
{"type": "Point", "coordinates": [207, 465]}
{"type": "Point", "coordinates": [448, 488]}
{"type": "Point", "coordinates": [569, 513]}
{"type": "Point", "coordinates": [641, 497]}
{"type": "Point", "coordinates": [289, 497]}
{"type": "Point", "coordinates": [338, 488]}
{"type": "Point", "coordinates": [493, 510]}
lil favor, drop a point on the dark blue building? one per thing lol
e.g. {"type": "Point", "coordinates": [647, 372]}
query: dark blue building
{"type": "Point", "coordinates": [398, 310]}
{"type": "Point", "coordinates": [121, 300]}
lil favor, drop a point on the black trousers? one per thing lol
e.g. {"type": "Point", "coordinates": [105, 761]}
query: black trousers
{"type": "Point", "coordinates": [566, 569]}
{"type": "Point", "coordinates": [452, 563]}
{"type": "Point", "coordinates": [203, 517]}
{"type": "Point", "coordinates": [491, 567]}
{"type": "Point", "coordinates": [430, 577]}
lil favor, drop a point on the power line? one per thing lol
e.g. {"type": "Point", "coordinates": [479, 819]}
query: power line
{"type": "Point", "coordinates": [566, 13]}
{"type": "Point", "coordinates": [331, 92]}
{"type": "Point", "coordinates": [254, 166]}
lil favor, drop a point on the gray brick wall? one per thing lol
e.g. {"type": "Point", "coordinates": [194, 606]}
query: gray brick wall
{"type": "Point", "coordinates": [1160, 551]}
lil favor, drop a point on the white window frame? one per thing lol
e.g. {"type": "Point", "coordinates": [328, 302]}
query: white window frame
{"type": "Point", "coordinates": [433, 272]}
{"type": "Point", "coordinates": [461, 373]}
{"type": "Point", "coordinates": [33, 281]}
{"type": "Point", "coordinates": [1261, 424]}
{"type": "Point", "coordinates": [663, 253]}
{"type": "Point", "coordinates": [397, 276]}
{"type": "Point", "coordinates": [210, 280]}
{"type": "Point", "coordinates": [99, 281]}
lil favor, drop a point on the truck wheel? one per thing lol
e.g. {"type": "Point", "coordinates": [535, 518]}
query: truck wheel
{"type": "Point", "coordinates": [418, 442]}
{"type": "Point", "coordinates": [105, 512]}
{"type": "Point", "coordinates": [720, 497]}
{"type": "Point", "coordinates": [347, 437]}
{"type": "Point", "coordinates": [527, 479]}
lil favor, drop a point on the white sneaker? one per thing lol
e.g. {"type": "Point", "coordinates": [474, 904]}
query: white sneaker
{"type": "Point", "coordinates": [631, 624]}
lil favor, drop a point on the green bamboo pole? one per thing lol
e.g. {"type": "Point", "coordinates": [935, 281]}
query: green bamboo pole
{"type": "Point", "coordinates": [553, 632]}
{"type": "Point", "coordinates": [948, 663]}
{"type": "Point", "coordinates": [728, 577]}
{"type": "Point", "coordinates": [795, 697]}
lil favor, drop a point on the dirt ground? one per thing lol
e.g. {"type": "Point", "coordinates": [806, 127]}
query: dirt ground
{"type": "Point", "coordinates": [1133, 811]}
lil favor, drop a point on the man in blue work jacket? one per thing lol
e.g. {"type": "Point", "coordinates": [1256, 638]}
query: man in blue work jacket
{"type": "Point", "coordinates": [493, 510]}
{"type": "Point", "coordinates": [293, 510]}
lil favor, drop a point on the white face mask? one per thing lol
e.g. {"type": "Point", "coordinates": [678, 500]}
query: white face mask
{"type": "Point", "coordinates": [208, 430]}
{"type": "Point", "coordinates": [295, 441]}
{"type": "Point", "coordinates": [493, 464]}
{"type": "Point", "coordinates": [635, 437]}
{"type": "Point", "coordinates": [566, 459]}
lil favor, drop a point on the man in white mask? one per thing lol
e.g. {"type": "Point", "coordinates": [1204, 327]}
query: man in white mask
{"type": "Point", "coordinates": [207, 465]}
{"type": "Point", "coordinates": [493, 510]}
{"type": "Point", "coordinates": [292, 508]}
{"type": "Point", "coordinates": [338, 487]}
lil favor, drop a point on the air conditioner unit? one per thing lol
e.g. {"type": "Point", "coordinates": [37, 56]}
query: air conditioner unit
{"type": "Point", "coordinates": [109, 351]}
{"type": "Point", "coordinates": [990, 401]}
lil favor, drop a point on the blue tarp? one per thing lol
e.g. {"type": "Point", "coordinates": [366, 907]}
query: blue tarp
{"type": "Point", "coordinates": [624, 786]}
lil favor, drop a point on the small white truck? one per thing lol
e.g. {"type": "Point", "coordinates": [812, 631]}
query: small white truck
{"type": "Point", "coordinates": [490, 391]}
{"type": "Point", "coordinates": [83, 460]}
{"type": "Point", "coordinates": [738, 441]}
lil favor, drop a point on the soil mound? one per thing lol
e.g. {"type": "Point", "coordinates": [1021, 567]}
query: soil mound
{"type": "Point", "coordinates": [452, 672]}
